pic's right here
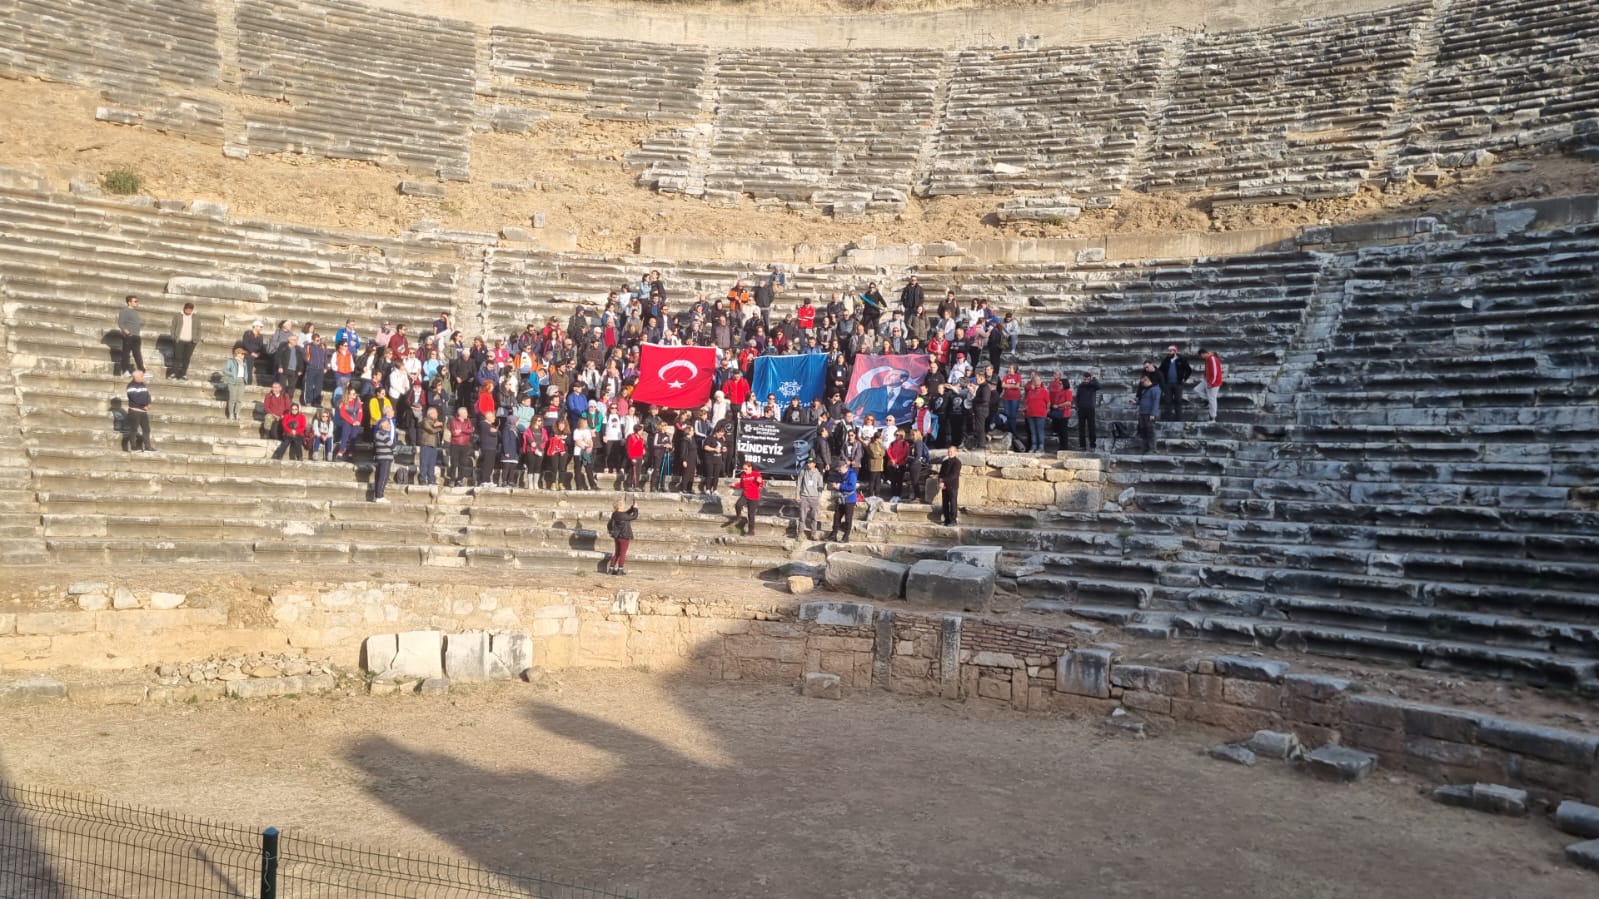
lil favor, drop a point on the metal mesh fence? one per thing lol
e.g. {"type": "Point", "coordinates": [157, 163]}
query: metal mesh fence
{"type": "Point", "coordinates": [58, 846]}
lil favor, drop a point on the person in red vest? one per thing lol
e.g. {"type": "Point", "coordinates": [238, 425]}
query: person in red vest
{"type": "Point", "coordinates": [1035, 402]}
{"type": "Point", "coordinates": [749, 485]}
{"type": "Point", "coordinates": [1060, 407]}
{"type": "Point", "coordinates": [291, 439]}
{"type": "Point", "coordinates": [636, 448]}
{"type": "Point", "coordinates": [1210, 385]}
{"type": "Point", "coordinates": [806, 318]}
{"type": "Point", "coordinates": [737, 389]}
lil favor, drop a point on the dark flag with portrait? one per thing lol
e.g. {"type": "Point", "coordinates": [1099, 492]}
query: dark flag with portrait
{"type": "Point", "coordinates": [885, 385]}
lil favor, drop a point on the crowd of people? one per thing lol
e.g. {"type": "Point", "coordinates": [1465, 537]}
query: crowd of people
{"type": "Point", "coordinates": [551, 405]}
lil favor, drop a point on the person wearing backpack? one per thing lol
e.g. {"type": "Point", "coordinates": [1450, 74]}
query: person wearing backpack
{"type": "Point", "coordinates": [621, 530]}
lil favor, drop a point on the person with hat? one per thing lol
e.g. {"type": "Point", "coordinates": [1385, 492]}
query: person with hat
{"type": "Point", "coordinates": [1174, 373]}
{"type": "Point", "coordinates": [255, 348]}
{"type": "Point", "coordinates": [808, 492]}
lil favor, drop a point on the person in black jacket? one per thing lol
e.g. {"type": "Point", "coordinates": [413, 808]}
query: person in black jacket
{"type": "Point", "coordinates": [621, 530]}
{"type": "Point", "coordinates": [1174, 373]}
{"type": "Point", "coordinates": [912, 296]}
{"type": "Point", "coordinates": [1087, 405]}
{"type": "Point", "coordinates": [949, 485]}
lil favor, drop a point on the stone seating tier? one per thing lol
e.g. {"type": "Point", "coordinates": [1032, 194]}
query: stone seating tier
{"type": "Point", "coordinates": [1280, 114]}
{"type": "Point", "coordinates": [155, 74]}
{"type": "Point", "coordinates": [359, 83]}
{"type": "Point", "coordinates": [1072, 117]}
{"type": "Point", "coordinates": [1541, 56]}
{"type": "Point", "coordinates": [607, 78]}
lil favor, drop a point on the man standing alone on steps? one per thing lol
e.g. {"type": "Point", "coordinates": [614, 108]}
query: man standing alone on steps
{"type": "Point", "coordinates": [1174, 373]}
{"type": "Point", "coordinates": [1209, 387]}
{"type": "Point", "coordinates": [139, 414]}
{"type": "Point", "coordinates": [1148, 412]}
{"type": "Point", "coordinates": [949, 486]}
{"type": "Point", "coordinates": [128, 323]}
{"type": "Point", "coordinates": [185, 335]}
{"type": "Point", "coordinates": [809, 494]}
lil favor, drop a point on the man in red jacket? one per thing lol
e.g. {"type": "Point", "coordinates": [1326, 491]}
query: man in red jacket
{"type": "Point", "coordinates": [274, 406]}
{"type": "Point", "coordinates": [292, 430]}
{"type": "Point", "coordinates": [748, 484]}
{"type": "Point", "coordinates": [1210, 385]}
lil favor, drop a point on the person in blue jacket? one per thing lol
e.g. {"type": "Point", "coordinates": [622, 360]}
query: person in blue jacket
{"type": "Point", "coordinates": [848, 487]}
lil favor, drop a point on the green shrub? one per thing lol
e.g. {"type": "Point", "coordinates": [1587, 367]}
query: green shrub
{"type": "Point", "coordinates": [122, 182]}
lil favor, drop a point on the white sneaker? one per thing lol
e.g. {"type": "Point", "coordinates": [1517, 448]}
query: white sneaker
{"type": "Point", "coordinates": [382, 499]}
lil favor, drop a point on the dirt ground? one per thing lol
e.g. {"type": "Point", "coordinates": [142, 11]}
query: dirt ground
{"type": "Point", "coordinates": [581, 184]}
{"type": "Point", "coordinates": [707, 790]}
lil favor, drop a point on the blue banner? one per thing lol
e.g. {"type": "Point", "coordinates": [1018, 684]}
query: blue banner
{"type": "Point", "coordinates": [787, 377]}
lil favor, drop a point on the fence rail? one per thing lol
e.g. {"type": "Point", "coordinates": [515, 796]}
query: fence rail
{"type": "Point", "coordinates": [55, 845]}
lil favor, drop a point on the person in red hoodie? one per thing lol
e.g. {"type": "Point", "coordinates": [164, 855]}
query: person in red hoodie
{"type": "Point", "coordinates": [736, 389]}
{"type": "Point", "coordinates": [1060, 407]}
{"type": "Point", "coordinates": [1035, 403]}
{"type": "Point", "coordinates": [806, 318]}
{"type": "Point", "coordinates": [748, 484]}
{"type": "Point", "coordinates": [291, 430]}
{"type": "Point", "coordinates": [1210, 385]}
{"type": "Point", "coordinates": [636, 449]}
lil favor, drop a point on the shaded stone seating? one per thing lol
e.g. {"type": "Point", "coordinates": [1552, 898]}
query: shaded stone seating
{"type": "Point", "coordinates": [156, 74]}
{"type": "Point", "coordinates": [1286, 113]}
{"type": "Point", "coordinates": [358, 83]}
{"type": "Point", "coordinates": [69, 261]}
{"type": "Point", "coordinates": [1066, 118]}
{"type": "Point", "coordinates": [1246, 308]}
{"type": "Point", "coordinates": [607, 79]}
{"type": "Point", "coordinates": [1505, 75]}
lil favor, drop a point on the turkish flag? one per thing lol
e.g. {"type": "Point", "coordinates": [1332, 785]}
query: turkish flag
{"type": "Point", "coordinates": [677, 377]}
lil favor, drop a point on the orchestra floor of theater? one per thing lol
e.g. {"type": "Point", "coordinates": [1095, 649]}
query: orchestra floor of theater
{"type": "Point", "coordinates": [650, 782]}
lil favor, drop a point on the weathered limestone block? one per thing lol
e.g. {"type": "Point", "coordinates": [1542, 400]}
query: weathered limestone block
{"type": "Point", "coordinates": [824, 686]}
{"type": "Point", "coordinates": [950, 585]}
{"type": "Point", "coordinates": [215, 289]}
{"type": "Point", "coordinates": [1584, 855]}
{"type": "Point", "coordinates": [866, 576]}
{"type": "Point", "coordinates": [466, 657]}
{"type": "Point", "coordinates": [1231, 752]}
{"type": "Point", "coordinates": [32, 689]}
{"type": "Point", "coordinates": [514, 652]}
{"type": "Point", "coordinates": [838, 614]}
{"type": "Point", "coordinates": [421, 189]}
{"type": "Point", "coordinates": [1084, 672]}
{"type": "Point", "coordinates": [1275, 744]}
{"type": "Point", "coordinates": [1491, 798]}
{"type": "Point", "coordinates": [1340, 763]}
{"type": "Point", "coordinates": [799, 584]}
{"type": "Point", "coordinates": [420, 653]}
{"type": "Point", "coordinates": [1578, 818]}
{"type": "Point", "coordinates": [379, 652]}
{"type": "Point", "coordinates": [980, 556]}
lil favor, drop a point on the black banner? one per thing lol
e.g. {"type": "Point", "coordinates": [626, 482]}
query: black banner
{"type": "Point", "coordinates": [775, 448]}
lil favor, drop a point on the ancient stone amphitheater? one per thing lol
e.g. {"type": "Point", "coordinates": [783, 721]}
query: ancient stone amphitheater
{"type": "Point", "coordinates": [1402, 474]}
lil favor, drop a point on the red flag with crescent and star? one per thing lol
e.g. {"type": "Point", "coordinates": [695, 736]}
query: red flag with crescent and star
{"type": "Point", "coordinates": [677, 377]}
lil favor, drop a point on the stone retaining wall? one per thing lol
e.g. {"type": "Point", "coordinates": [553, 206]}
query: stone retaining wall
{"type": "Point", "coordinates": [960, 657]}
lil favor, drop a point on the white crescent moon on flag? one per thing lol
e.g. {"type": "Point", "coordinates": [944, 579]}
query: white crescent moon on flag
{"type": "Point", "coordinates": [868, 377]}
{"type": "Point", "coordinates": [693, 371]}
